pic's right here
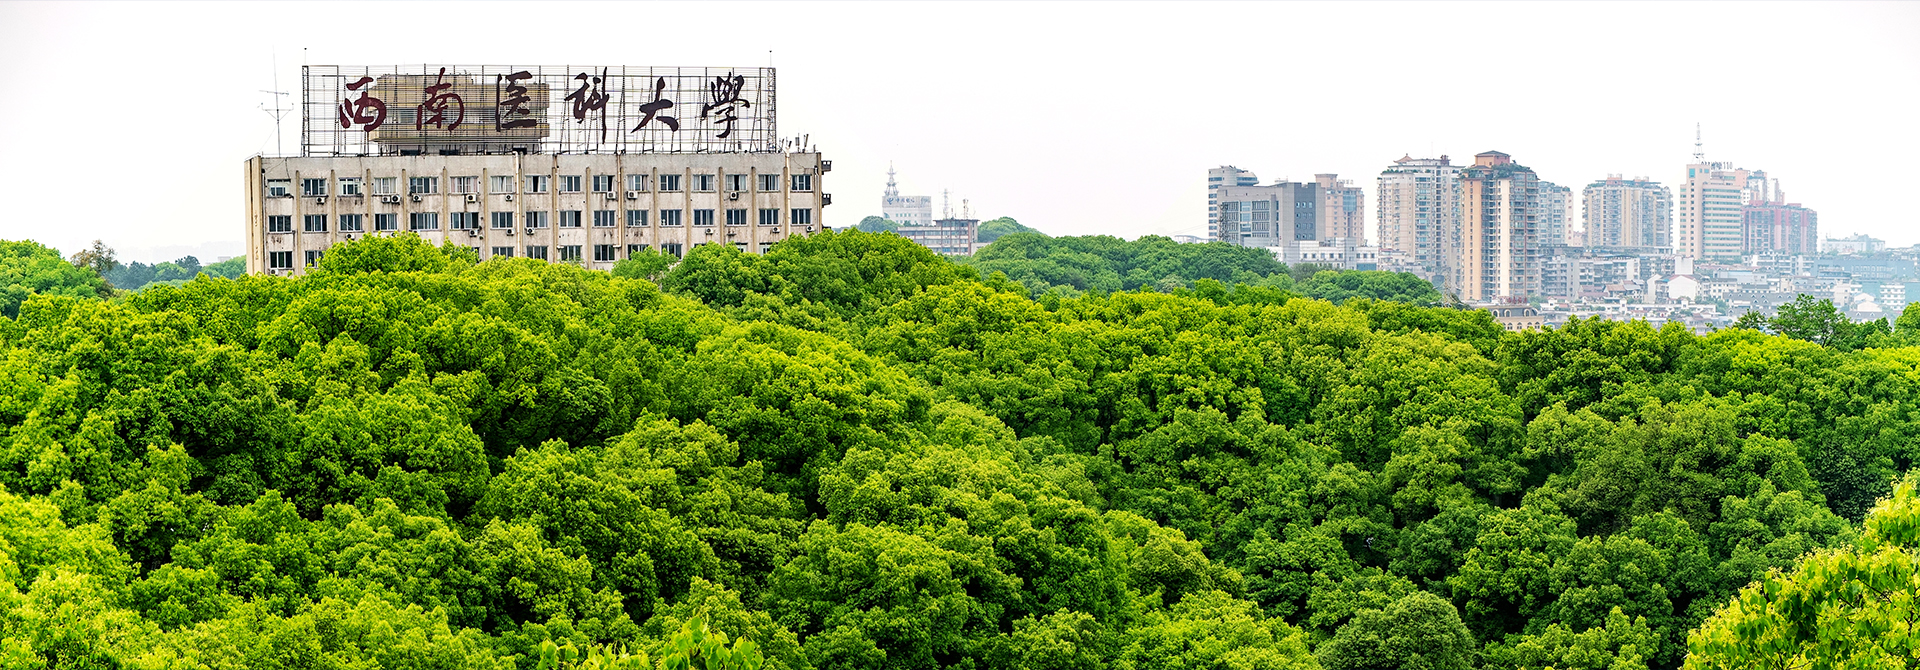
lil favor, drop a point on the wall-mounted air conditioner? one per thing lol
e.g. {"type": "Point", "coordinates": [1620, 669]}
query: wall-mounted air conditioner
{"type": "Point", "coordinates": [473, 198]}
{"type": "Point", "coordinates": [826, 199]}
{"type": "Point", "coordinates": [509, 231]}
{"type": "Point", "coordinates": [612, 196]}
{"type": "Point", "coordinates": [320, 200]}
{"type": "Point", "coordinates": [709, 231]}
{"type": "Point", "coordinates": [826, 166]}
{"type": "Point", "coordinates": [390, 199]}
{"type": "Point", "coordinates": [509, 197]}
{"type": "Point", "coordinates": [733, 195]}
{"type": "Point", "coordinates": [416, 197]}
{"type": "Point", "coordinates": [633, 195]}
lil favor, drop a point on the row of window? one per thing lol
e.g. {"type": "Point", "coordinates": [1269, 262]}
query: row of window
{"type": "Point", "coordinates": [602, 253]}
{"type": "Point", "coordinates": [605, 218]}
{"type": "Point", "coordinates": [533, 183]}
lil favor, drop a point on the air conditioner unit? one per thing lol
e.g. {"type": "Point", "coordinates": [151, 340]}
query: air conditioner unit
{"type": "Point", "coordinates": [349, 237]}
{"type": "Point", "coordinates": [633, 195]}
{"type": "Point", "coordinates": [809, 229]}
{"type": "Point", "coordinates": [416, 198]}
{"type": "Point", "coordinates": [709, 231]}
{"type": "Point", "coordinates": [509, 197]}
{"type": "Point", "coordinates": [390, 199]}
{"type": "Point", "coordinates": [320, 200]}
{"type": "Point", "coordinates": [612, 196]}
{"type": "Point", "coordinates": [473, 198]}
{"type": "Point", "coordinates": [826, 199]}
{"type": "Point", "coordinates": [509, 231]}
{"type": "Point", "coordinates": [826, 166]}
{"type": "Point", "coordinates": [733, 195]}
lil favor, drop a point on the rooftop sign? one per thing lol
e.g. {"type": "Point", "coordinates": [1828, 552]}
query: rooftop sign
{"type": "Point", "coordinates": [454, 109]}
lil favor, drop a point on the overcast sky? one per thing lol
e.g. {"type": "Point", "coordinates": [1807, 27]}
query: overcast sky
{"type": "Point", "coordinates": [130, 122]}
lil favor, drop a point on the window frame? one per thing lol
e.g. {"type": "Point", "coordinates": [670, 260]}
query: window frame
{"type": "Point", "coordinates": [349, 187]}
{"type": "Point", "coordinates": [700, 213]}
{"type": "Point", "coordinates": [280, 223]}
{"type": "Point", "coordinates": [636, 218]}
{"type": "Point", "coordinates": [606, 218]}
{"type": "Point", "coordinates": [351, 223]}
{"type": "Point", "coordinates": [313, 223]}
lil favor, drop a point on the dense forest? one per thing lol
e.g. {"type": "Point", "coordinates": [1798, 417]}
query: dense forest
{"type": "Point", "coordinates": [1075, 453]}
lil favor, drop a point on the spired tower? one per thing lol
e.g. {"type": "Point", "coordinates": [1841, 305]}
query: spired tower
{"type": "Point", "coordinates": [906, 210]}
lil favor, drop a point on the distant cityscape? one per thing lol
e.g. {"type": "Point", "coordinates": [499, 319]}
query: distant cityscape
{"type": "Point", "coordinates": [1493, 234]}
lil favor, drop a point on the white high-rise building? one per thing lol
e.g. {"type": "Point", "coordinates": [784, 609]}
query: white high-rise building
{"type": "Point", "coordinates": [1554, 202]}
{"type": "Point", "coordinates": [1418, 204]}
{"type": "Point", "coordinates": [1218, 178]}
{"type": "Point", "coordinates": [1627, 213]}
{"type": "Point", "coordinates": [906, 210]}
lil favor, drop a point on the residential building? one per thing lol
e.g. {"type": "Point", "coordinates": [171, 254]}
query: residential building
{"type": "Point", "coordinates": [906, 210]}
{"type": "Point", "coordinates": [1709, 211]}
{"type": "Point", "coordinates": [1418, 205]}
{"type": "Point", "coordinates": [1779, 227]}
{"type": "Point", "coordinates": [1496, 258]}
{"type": "Point", "coordinates": [1857, 245]}
{"type": "Point", "coordinates": [1515, 317]}
{"type": "Point", "coordinates": [1554, 201]}
{"type": "Point", "coordinates": [1218, 178]}
{"type": "Point", "coordinates": [1271, 215]}
{"type": "Point", "coordinates": [1343, 253]}
{"type": "Point", "coordinates": [1345, 209]}
{"type": "Point", "coordinates": [947, 237]}
{"type": "Point", "coordinates": [1627, 213]}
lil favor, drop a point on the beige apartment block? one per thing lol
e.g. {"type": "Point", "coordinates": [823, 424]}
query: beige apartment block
{"type": "Point", "coordinates": [1624, 213]}
{"type": "Point", "coordinates": [1555, 200]}
{"type": "Point", "coordinates": [1496, 259]}
{"type": "Point", "coordinates": [1418, 205]}
{"type": "Point", "coordinates": [1344, 208]}
{"type": "Point", "coordinates": [1709, 211]}
{"type": "Point", "coordinates": [592, 209]}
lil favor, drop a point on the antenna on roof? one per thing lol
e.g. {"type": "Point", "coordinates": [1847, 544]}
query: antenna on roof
{"type": "Point", "coordinates": [1699, 154]}
{"type": "Point", "coordinates": [277, 112]}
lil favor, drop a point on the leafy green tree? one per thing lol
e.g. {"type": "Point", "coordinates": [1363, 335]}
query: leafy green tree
{"type": "Point", "coordinates": [231, 268]}
{"type": "Point", "coordinates": [1816, 321]}
{"type": "Point", "coordinates": [28, 269]}
{"type": "Point", "coordinates": [648, 263]}
{"type": "Point", "coordinates": [875, 224]}
{"type": "Point", "coordinates": [995, 229]}
{"type": "Point", "coordinates": [1419, 631]}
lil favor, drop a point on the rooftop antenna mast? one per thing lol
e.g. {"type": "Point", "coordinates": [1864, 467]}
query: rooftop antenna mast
{"type": "Point", "coordinates": [1699, 154]}
{"type": "Point", "coordinates": [277, 112]}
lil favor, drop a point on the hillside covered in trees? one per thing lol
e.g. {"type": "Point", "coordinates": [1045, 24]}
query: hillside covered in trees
{"type": "Point", "coordinates": [856, 454]}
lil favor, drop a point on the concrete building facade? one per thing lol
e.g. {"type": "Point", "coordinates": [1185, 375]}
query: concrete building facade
{"type": "Point", "coordinates": [1708, 214]}
{"type": "Point", "coordinates": [1627, 213]}
{"type": "Point", "coordinates": [1496, 258]}
{"type": "Point", "coordinates": [590, 209]}
{"type": "Point", "coordinates": [1345, 208]}
{"type": "Point", "coordinates": [1554, 203]}
{"type": "Point", "coordinates": [1271, 215]}
{"type": "Point", "coordinates": [947, 237]}
{"type": "Point", "coordinates": [1418, 208]}
{"type": "Point", "coordinates": [906, 210]}
{"type": "Point", "coordinates": [1219, 178]}
{"type": "Point", "coordinates": [1779, 227]}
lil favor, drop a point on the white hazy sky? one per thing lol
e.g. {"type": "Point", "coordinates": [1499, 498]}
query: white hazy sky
{"type": "Point", "coordinates": [129, 122]}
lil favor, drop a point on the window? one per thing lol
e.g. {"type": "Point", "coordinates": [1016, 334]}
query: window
{"type": "Point", "coordinates": [569, 218]}
{"type": "Point", "coordinates": [602, 183]}
{"type": "Point", "coordinates": [801, 217]}
{"type": "Point", "coordinates": [385, 185]}
{"type": "Point", "coordinates": [703, 182]}
{"type": "Point", "coordinates": [500, 184]}
{"type": "Point", "coordinates": [313, 223]}
{"type": "Point", "coordinates": [674, 248]}
{"type": "Point", "coordinates": [736, 182]}
{"type": "Point", "coordinates": [536, 220]}
{"type": "Point", "coordinates": [350, 223]}
{"type": "Point", "coordinates": [537, 183]}
{"type": "Point", "coordinates": [570, 253]}
{"type": "Point", "coordinates": [742, 246]}
{"type": "Point", "coordinates": [569, 183]}
{"type": "Point", "coordinates": [279, 260]}
{"type": "Point", "coordinates": [636, 182]}
{"type": "Point", "coordinates": [463, 220]}
{"type": "Point", "coordinates": [669, 217]}
{"type": "Point", "coordinates": [764, 246]}
{"type": "Point", "coordinates": [769, 216]}
{"type": "Point", "coordinates": [423, 185]}
{"type": "Point", "coordinates": [280, 223]}
{"type": "Point", "coordinates": [465, 185]}
{"type": "Point", "coordinates": [636, 218]}
{"type": "Point", "coordinates": [634, 249]}
{"type": "Point", "coordinates": [803, 182]}
{"type": "Point", "coordinates": [736, 217]}
{"type": "Point", "coordinates": [603, 253]}
{"type": "Point", "coordinates": [503, 252]}
{"type": "Point", "coordinates": [350, 186]}
{"type": "Point", "coordinates": [386, 222]}
{"type": "Point", "coordinates": [313, 257]}
{"type": "Point", "coordinates": [503, 219]}
{"type": "Point", "coordinates": [769, 182]}
{"type": "Point", "coordinates": [703, 217]}
{"type": "Point", "coordinates": [605, 218]}
{"type": "Point", "coordinates": [313, 188]}
{"type": "Point", "coordinates": [537, 251]}
{"type": "Point", "coordinates": [423, 221]}
{"type": "Point", "coordinates": [280, 188]}
{"type": "Point", "coordinates": [669, 182]}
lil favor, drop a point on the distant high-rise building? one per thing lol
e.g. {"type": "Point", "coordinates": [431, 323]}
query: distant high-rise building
{"type": "Point", "coordinates": [1778, 227]}
{"type": "Point", "coordinates": [1418, 204]}
{"type": "Point", "coordinates": [1272, 215]}
{"type": "Point", "coordinates": [1709, 211]}
{"type": "Point", "coordinates": [1627, 213]}
{"type": "Point", "coordinates": [1218, 178]}
{"type": "Point", "coordinates": [1554, 202]}
{"type": "Point", "coordinates": [1345, 209]}
{"type": "Point", "coordinates": [906, 210]}
{"type": "Point", "coordinates": [1496, 258]}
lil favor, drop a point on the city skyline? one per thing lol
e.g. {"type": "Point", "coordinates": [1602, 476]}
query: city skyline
{"type": "Point", "coordinates": [1027, 110]}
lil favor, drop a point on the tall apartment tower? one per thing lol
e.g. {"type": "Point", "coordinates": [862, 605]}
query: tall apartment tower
{"type": "Point", "coordinates": [1496, 258]}
{"type": "Point", "coordinates": [1218, 178]}
{"type": "Point", "coordinates": [1709, 210]}
{"type": "Point", "coordinates": [1554, 202]}
{"type": "Point", "coordinates": [1418, 205]}
{"type": "Point", "coordinates": [1627, 213]}
{"type": "Point", "coordinates": [1344, 206]}
{"type": "Point", "coordinates": [1775, 226]}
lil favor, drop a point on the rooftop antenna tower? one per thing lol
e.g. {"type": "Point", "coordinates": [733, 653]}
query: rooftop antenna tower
{"type": "Point", "coordinates": [1699, 154]}
{"type": "Point", "coordinates": [277, 112]}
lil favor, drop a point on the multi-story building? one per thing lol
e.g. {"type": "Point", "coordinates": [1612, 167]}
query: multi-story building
{"type": "Point", "coordinates": [1418, 205]}
{"type": "Point", "coordinates": [1496, 258]}
{"type": "Point", "coordinates": [1271, 215]}
{"type": "Point", "coordinates": [530, 177]}
{"type": "Point", "coordinates": [1345, 208]}
{"type": "Point", "coordinates": [1858, 244]}
{"type": "Point", "coordinates": [1627, 213]}
{"type": "Point", "coordinates": [1779, 227]}
{"type": "Point", "coordinates": [1341, 252]}
{"type": "Point", "coordinates": [947, 237]}
{"type": "Point", "coordinates": [1554, 202]}
{"type": "Point", "coordinates": [906, 210]}
{"type": "Point", "coordinates": [1709, 210]}
{"type": "Point", "coordinates": [1219, 178]}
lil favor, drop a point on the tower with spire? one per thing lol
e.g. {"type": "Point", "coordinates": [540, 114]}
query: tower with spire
{"type": "Point", "coordinates": [906, 210]}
